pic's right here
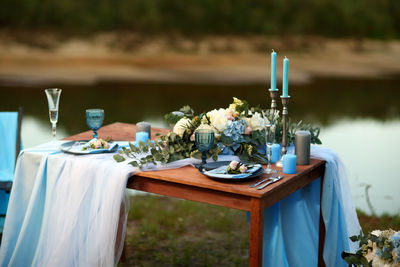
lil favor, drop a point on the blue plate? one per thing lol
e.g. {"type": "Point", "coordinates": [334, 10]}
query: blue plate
{"type": "Point", "coordinates": [68, 147]}
{"type": "Point", "coordinates": [213, 165]}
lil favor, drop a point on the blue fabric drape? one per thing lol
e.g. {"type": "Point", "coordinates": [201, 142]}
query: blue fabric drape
{"type": "Point", "coordinates": [291, 225]}
{"type": "Point", "coordinates": [8, 142]}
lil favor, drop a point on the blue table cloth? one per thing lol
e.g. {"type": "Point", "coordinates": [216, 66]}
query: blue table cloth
{"type": "Point", "coordinates": [291, 225]}
{"type": "Point", "coordinates": [64, 211]}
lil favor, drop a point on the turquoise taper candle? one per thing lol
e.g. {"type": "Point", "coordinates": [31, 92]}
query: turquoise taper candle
{"type": "Point", "coordinates": [273, 70]}
{"type": "Point", "coordinates": [285, 82]}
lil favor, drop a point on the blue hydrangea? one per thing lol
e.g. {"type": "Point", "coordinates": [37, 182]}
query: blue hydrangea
{"type": "Point", "coordinates": [397, 250]}
{"type": "Point", "coordinates": [378, 252]}
{"type": "Point", "coordinates": [395, 239]}
{"type": "Point", "coordinates": [235, 131]}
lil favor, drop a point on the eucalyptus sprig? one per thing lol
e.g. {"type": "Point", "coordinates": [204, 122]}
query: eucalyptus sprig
{"type": "Point", "coordinates": [168, 148]}
{"type": "Point", "coordinates": [293, 128]}
{"type": "Point", "coordinates": [175, 116]}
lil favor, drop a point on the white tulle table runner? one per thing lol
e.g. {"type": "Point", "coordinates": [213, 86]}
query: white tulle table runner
{"type": "Point", "coordinates": [64, 209]}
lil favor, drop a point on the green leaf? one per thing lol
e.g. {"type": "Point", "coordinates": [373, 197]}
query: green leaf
{"type": "Point", "coordinates": [118, 158]}
{"type": "Point", "coordinates": [142, 145]}
{"type": "Point", "coordinates": [134, 163]}
{"type": "Point", "coordinates": [172, 137]}
{"type": "Point", "coordinates": [132, 146]}
{"type": "Point", "coordinates": [196, 154]}
{"type": "Point", "coordinates": [215, 157]}
{"type": "Point", "coordinates": [226, 140]}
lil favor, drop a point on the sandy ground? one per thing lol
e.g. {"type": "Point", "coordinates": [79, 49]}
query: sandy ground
{"type": "Point", "coordinates": [48, 59]}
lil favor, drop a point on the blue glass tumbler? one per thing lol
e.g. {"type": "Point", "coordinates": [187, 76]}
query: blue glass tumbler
{"type": "Point", "coordinates": [94, 119]}
{"type": "Point", "coordinates": [204, 142]}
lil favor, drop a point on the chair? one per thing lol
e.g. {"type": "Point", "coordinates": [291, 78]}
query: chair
{"type": "Point", "coordinates": [10, 145]}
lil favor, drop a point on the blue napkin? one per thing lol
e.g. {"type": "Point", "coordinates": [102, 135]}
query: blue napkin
{"type": "Point", "coordinates": [221, 172]}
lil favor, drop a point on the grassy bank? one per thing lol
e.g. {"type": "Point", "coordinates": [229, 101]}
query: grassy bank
{"type": "Point", "coordinates": [170, 232]}
{"type": "Point", "coordinates": [333, 18]}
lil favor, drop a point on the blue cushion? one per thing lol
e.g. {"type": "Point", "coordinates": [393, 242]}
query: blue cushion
{"type": "Point", "coordinates": [8, 142]}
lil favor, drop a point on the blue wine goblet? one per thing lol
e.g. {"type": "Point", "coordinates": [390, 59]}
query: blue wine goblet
{"type": "Point", "coordinates": [204, 142]}
{"type": "Point", "coordinates": [94, 119]}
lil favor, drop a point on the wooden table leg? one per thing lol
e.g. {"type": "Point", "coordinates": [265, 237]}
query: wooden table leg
{"type": "Point", "coordinates": [256, 232]}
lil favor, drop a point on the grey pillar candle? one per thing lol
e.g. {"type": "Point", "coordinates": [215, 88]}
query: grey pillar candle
{"type": "Point", "coordinates": [144, 127]}
{"type": "Point", "coordinates": [302, 147]}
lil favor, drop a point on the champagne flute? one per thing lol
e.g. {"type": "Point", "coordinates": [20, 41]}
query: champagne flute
{"type": "Point", "coordinates": [270, 117]}
{"type": "Point", "coordinates": [204, 142]}
{"type": "Point", "coordinates": [270, 139]}
{"type": "Point", "coordinates": [94, 119]}
{"type": "Point", "coordinates": [53, 98]}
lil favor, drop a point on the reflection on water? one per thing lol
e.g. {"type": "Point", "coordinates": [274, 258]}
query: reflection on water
{"type": "Point", "coordinates": [360, 119]}
{"type": "Point", "coordinates": [369, 149]}
{"type": "Point", "coordinates": [35, 132]}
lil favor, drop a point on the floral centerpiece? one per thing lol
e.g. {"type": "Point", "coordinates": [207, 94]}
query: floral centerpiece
{"type": "Point", "coordinates": [239, 130]}
{"type": "Point", "coordinates": [378, 248]}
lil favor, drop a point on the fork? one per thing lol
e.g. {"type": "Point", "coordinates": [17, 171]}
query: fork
{"type": "Point", "coordinates": [273, 180]}
{"type": "Point", "coordinates": [275, 175]}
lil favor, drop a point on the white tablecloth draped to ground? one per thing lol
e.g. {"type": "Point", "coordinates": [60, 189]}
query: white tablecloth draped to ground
{"type": "Point", "coordinates": [64, 211]}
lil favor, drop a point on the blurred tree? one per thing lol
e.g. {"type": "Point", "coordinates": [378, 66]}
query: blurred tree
{"type": "Point", "coordinates": [334, 18]}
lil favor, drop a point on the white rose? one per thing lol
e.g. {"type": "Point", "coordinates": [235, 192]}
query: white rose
{"type": "Point", "coordinates": [219, 119]}
{"type": "Point", "coordinates": [181, 126]}
{"type": "Point", "coordinates": [256, 122]}
{"type": "Point", "coordinates": [376, 233]}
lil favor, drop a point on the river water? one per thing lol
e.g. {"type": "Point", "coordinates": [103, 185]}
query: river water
{"type": "Point", "coordinates": [359, 119]}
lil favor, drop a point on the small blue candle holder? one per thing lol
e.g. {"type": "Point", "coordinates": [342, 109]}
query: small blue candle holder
{"type": "Point", "coordinates": [289, 164]}
{"type": "Point", "coordinates": [142, 137]}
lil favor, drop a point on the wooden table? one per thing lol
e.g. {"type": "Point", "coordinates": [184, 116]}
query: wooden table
{"type": "Point", "coordinates": [188, 183]}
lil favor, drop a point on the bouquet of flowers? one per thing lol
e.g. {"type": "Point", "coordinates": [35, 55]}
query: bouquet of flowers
{"type": "Point", "coordinates": [239, 130]}
{"type": "Point", "coordinates": [378, 248]}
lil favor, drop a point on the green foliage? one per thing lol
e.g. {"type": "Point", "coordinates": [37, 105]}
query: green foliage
{"type": "Point", "coordinates": [382, 243]}
{"type": "Point", "coordinates": [175, 116]}
{"type": "Point", "coordinates": [168, 148]}
{"type": "Point", "coordinates": [335, 18]}
{"type": "Point", "coordinates": [292, 128]}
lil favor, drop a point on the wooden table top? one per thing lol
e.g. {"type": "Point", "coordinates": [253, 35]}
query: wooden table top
{"type": "Point", "coordinates": [189, 175]}
{"type": "Point", "coordinates": [118, 131]}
